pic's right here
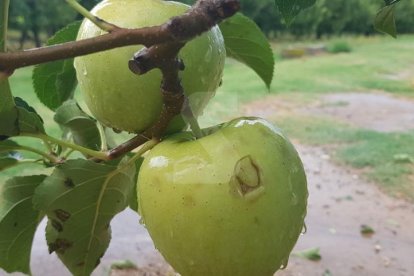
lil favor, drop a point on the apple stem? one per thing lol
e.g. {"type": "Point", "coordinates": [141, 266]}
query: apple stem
{"type": "Point", "coordinates": [143, 149]}
{"type": "Point", "coordinates": [104, 143]}
{"type": "Point", "coordinates": [192, 121]}
{"type": "Point", "coordinates": [100, 23]}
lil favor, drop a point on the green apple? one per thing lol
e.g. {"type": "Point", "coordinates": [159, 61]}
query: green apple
{"type": "Point", "coordinates": [230, 203]}
{"type": "Point", "coordinates": [122, 100]}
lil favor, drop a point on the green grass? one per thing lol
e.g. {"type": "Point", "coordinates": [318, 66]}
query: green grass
{"type": "Point", "coordinates": [371, 65]}
{"type": "Point", "coordinates": [373, 152]}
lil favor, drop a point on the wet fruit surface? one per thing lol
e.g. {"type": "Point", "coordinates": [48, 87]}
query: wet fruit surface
{"type": "Point", "coordinates": [230, 203]}
{"type": "Point", "coordinates": [122, 100]}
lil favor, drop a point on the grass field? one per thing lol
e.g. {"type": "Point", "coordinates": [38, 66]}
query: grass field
{"type": "Point", "coordinates": [375, 64]}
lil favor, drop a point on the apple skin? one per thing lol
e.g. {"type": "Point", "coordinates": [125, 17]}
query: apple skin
{"type": "Point", "coordinates": [230, 203]}
{"type": "Point", "coordinates": [122, 100]}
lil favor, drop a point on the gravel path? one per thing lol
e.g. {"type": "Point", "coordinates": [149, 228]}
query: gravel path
{"type": "Point", "coordinates": [339, 203]}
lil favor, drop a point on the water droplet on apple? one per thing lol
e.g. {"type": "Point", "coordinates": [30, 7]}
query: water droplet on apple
{"type": "Point", "coordinates": [85, 73]}
{"type": "Point", "coordinates": [304, 229]}
{"type": "Point", "coordinates": [284, 264]}
{"type": "Point", "coordinates": [209, 54]}
{"type": "Point", "coordinates": [294, 201]}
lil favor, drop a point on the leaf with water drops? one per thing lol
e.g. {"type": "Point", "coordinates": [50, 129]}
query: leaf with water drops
{"type": "Point", "coordinates": [80, 199]}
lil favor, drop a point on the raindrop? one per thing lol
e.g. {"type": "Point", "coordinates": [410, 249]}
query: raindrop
{"type": "Point", "coordinates": [85, 73]}
{"type": "Point", "coordinates": [294, 200]}
{"type": "Point", "coordinates": [304, 229]}
{"type": "Point", "coordinates": [284, 264]}
{"type": "Point", "coordinates": [209, 54]}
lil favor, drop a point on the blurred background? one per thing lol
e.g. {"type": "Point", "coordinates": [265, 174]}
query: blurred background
{"type": "Point", "coordinates": [345, 96]}
{"type": "Point", "coordinates": [33, 21]}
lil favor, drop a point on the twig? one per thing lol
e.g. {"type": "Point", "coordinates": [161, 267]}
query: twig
{"type": "Point", "coordinates": [200, 18]}
{"type": "Point", "coordinates": [102, 24]}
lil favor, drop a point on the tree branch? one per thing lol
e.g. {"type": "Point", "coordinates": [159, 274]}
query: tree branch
{"type": "Point", "coordinates": [200, 18]}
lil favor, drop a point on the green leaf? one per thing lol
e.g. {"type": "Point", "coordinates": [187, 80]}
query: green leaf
{"type": "Point", "coordinates": [80, 199]}
{"type": "Point", "coordinates": [291, 8]}
{"type": "Point", "coordinates": [327, 272]}
{"type": "Point", "coordinates": [123, 265]}
{"type": "Point", "coordinates": [22, 103]}
{"type": "Point", "coordinates": [133, 200]}
{"type": "Point", "coordinates": [83, 127]}
{"type": "Point", "coordinates": [25, 121]}
{"type": "Point", "coordinates": [8, 158]}
{"type": "Point", "coordinates": [367, 230]}
{"type": "Point", "coordinates": [311, 254]}
{"type": "Point", "coordinates": [7, 162]}
{"type": "Point", "coordinates": [54, 82]}
{"type": "Point", "coordinates": [385, 20]}
{"type": "Point", "coordinates": [8, 111]}
{"type": "Point", "coordinates": [246, 43]}
{"type": "Point", "coordinates": [8, 146]}
{"type": "Point", "coordinates": [29, 122]}
{"type": "Point", "coordinates": [18, 222]}
{"type": "Point", "coordinates": [391, 2]}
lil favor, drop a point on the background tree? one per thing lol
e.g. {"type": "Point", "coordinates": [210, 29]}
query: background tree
{"type": "Point", "coordinates": [32, 18]}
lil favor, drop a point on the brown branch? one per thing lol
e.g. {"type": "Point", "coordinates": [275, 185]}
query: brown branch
{"type": "Point", "coordinates": [200, 18]}
{"type": "Point", "coordinates": [164, 57]}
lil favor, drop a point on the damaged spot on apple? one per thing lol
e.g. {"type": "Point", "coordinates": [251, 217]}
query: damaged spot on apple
{"type": "Point", "coordinates": [246, 179]}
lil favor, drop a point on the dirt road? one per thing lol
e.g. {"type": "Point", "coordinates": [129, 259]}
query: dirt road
{"type": "Point", "coordinates": [339, 203]}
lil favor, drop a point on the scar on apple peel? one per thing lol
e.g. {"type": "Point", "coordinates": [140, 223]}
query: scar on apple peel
{"type": "Point", "coordinates": [246, 180]}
